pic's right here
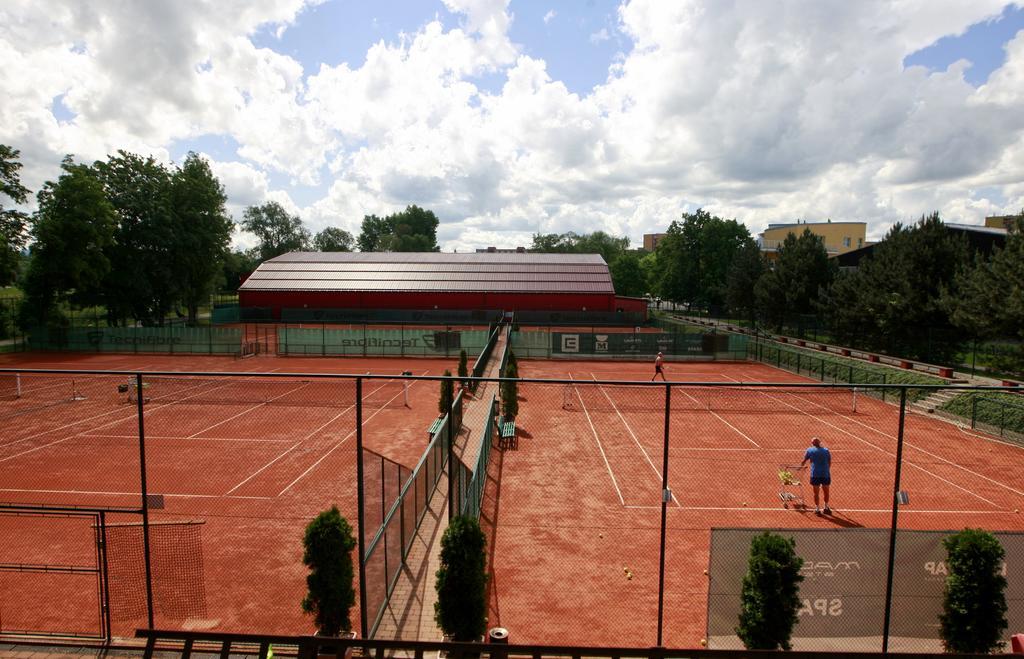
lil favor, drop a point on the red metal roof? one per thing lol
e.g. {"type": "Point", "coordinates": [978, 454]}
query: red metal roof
{"type": "Point", "coordinates": [433, 272]}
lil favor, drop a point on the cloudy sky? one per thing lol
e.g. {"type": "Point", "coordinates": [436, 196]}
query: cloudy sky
{"type": "Point", "coordinates": [509, 118]}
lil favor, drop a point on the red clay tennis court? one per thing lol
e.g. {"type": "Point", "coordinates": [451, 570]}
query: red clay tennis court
{"type": "Point", "coordinates": [573, 510]}
{"type": "Point", "coordinates": [576, 509]}
{"type": "Point", "coordinates": [236, 468]}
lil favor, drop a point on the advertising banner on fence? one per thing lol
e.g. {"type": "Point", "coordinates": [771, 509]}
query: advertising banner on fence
{"type": "Point", "coordinates": [843, 591]}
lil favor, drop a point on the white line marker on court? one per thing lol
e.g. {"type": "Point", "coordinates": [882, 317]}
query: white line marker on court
{"type": "Point", "coordinates": [345, 439]}
{"type": "Point", "coordinates": [661, 479]}
{"type": "Point", "coordinates": [861, 439]}
{"type": "Point", "coordinates": [598, 440]}
{"type": "Point", "coordinates": [717, 416]}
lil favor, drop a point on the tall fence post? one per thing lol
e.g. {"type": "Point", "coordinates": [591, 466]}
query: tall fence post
{"type": "Point", "coordinates": [895, 513]}
{"type": "Point", "coordinates": [361, 506]}
{"type": "Point", "coordinates": [664, 517]}
{"type": "Point", "coordinates": [140, 398]}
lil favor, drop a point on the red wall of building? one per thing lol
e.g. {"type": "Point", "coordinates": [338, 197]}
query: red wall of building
{"type": "Point", "coordinates": [441, 300]}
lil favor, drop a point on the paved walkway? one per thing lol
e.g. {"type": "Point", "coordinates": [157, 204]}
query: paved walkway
{"type": "Point", "coordinates": [410, 612]}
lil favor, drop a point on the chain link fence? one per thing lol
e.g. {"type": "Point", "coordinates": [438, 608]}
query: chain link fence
{"type": "Point", "coordinates": [623, 510]}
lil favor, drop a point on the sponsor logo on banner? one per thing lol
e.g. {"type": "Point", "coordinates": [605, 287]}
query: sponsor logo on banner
{"type": "Point", "coordinates": [939, 569]}
{"type": "Point", "coordinates": [570, 343]}
{"type": "Point", "coordinates": [601, 343]}
{"type": "Point", "coordinates": [821, 607]}
{"type": "Point", "coordinates": [827, 568]}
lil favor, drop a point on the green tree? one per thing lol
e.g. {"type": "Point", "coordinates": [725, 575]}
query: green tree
{"type": "Point", "coordinates": [374, 234]}
{"type": "Point", "coordinates": [694, 258]}
{"type": "Point", "coordinates": [72, 230]}
{"type": "Point", "coordinates": [202, 231]}
{"type": "Point", "coordinates": [628, 276]}
{"type": "Point", "coordinates": [461, 607]}
{"type": "Point", "coordinates": [277, 231]}
{"type": "Point", "coordinates": [973, 616]}
{"type": "Point", "coordinates": [510, 391]}
{"type": "Point", "coordinates": [987, 300]}
{"type": "Point", "coordinates": [608, 246]}
{"type": "Point", "coordinates": [897, 300]}
{"type": "Point", "coordinates": [327, 552]}
{"type": "Point", "coordinates": [411, 230]}
{"type": "Point", "coordinates": [12, 221]}
{"type": "Point", "coordinates": [801, 277]}
{"type": "Point", "coordinates": [140, 284]}
{"type": "Point", "coordinates": [463, 366]}
{"type": "Point", "coordinates": [332, 239]}
{"type": "Point", "coordinates": [444, 402]}
{"type": "Point", "coordinates": [236, 265]}
{"type": "Point", "coordinates": [746, 270]}
{"type": "Point", "coordinates": [770, 595]}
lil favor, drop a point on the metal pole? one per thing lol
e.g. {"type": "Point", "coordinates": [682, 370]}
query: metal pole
{"type": "Point", "coordinates": [664, 517]}
{"type": "Point", "coordinates": [892, 528]}
{"type": "Point", "coordinates": [361, 504]}
{"type": "Point", "coordinates": [451, 466]}
{"type": "Point", "coordinates": [105, 587]}
{"type": "Point", "coordinates": [139, 402]}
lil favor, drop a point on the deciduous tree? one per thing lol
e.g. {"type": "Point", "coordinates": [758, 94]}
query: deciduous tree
{"type": "Point", "coordinates": [628, 276]}
{"type": "Point", "coordinates": [332, 239]}
{"type": "Point", "coordinates": [140, 284]}
{"type": "Point", "coordinates": [12, 221]}
{"type": "Point", "coordinates": [202, 231]}
{"type": "Point", "coordinates": [277, 231]}
{"type": "Point", "coordinates": [72, 230]}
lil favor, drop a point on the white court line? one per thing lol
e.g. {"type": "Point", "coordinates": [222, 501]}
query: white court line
{"type": "Point", "coordinates": [403, 392]}
{"type": "Point", "coordinates": [180, 438]}
{"type": "Point", "coordinates": [598, 440]}
{"type": "Point", "coordinates": [133, 413]}
{"type": "Point", "coordinates": [248, 410]}
{"type": "Point", "coordinates": [647, 457]}
{"type": "Point", "coordinates": [778, 509]}
{"type": "Point", "coordinates": [132, 494]}
{"type": "Point", "coordinates": [893, 455]}
{"type": "Point", "coordinates": [929, 453]}
{"type": "Point", "coordinates": [716, 415]}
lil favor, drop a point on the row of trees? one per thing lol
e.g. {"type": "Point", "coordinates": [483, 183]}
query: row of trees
{"type": "Point", "coordinates": [921, 293]}
{"type": "Point", "coordinates": [142, 240]}
{"type": "Point", "coordinates": [127, 233]}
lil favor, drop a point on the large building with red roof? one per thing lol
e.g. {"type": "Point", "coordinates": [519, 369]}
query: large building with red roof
{"type": "Point", "coordinates": [434, 280]}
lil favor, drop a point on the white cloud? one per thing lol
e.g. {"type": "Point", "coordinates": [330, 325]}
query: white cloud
{"type": "Point", "coordinates": [762, 112]}
{"type": "Point", "coordinates": [549, 16]}
{"type": "Point", "coordinates": [600, 35]}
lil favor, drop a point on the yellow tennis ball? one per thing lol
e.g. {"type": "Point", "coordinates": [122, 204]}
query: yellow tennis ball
{"type": "Point", "coordinates": [703, 642]}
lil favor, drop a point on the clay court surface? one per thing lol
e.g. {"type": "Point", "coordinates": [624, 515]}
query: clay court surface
{"type": "Point", "coordinates": [249, 475]}
{"type": "Point", "coordinates": [574, 511]}
{"type": "Point", "coordinates": [577, 509]}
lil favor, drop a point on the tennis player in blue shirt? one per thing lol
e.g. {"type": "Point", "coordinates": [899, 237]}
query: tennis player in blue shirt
{"type": "Point", "coordinates": [821, 477]}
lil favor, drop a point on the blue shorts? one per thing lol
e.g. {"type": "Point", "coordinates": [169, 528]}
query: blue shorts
{"type": "Point", "coordinates": [821, 480]}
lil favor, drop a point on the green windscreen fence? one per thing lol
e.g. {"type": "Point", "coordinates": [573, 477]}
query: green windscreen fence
{"type": "Point", "coordinates": [168, 340]}
{"type": "Point", "coordinates": [407, 341]}
{"type": "Point", "coordinates": [624, 344]}
{"type": "Point", "coordinates": [227, 313]}
{"type": "Point", "coordinates": [304, 315]}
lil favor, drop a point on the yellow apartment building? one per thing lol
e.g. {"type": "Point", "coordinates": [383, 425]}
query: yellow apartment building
{"type": "Point", "coordinates": [1001, 221]}
{"type": "Point", "coordinates": [839, 237]}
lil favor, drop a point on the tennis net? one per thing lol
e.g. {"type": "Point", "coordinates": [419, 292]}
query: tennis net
{"type": "Point", "coordinates": [740, 400]}
{"type": "Point", "coordinates": [326, 392]}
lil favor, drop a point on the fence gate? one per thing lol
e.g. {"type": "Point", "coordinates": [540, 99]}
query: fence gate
{"type": "Point", "coordinates": [52, 573]}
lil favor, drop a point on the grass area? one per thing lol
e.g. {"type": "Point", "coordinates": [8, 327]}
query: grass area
{"type": "Point", "coordinates": [10, 291]}
{"type": "Point", "coordinates": [832, 368]}
{"type": "Point", "coordinates": [993, 408]}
